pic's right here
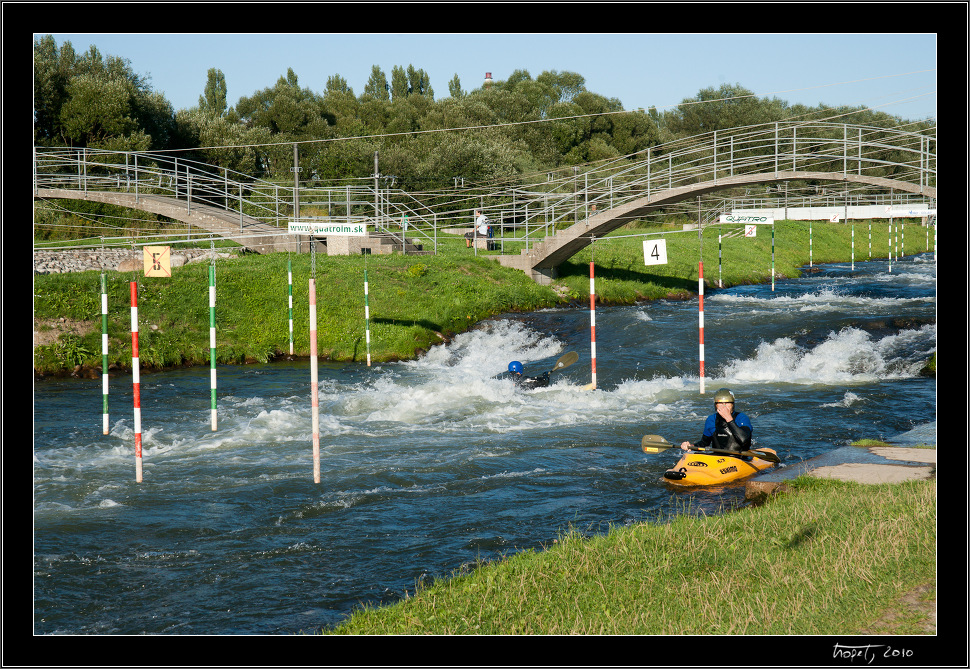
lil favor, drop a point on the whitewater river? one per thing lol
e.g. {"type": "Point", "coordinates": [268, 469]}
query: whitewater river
{"type": "Point", "coordinates": [430, 465]}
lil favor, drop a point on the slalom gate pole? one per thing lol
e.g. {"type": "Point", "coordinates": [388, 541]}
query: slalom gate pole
{"type": "Point", "coordinates": [700, 315]}
{"type": "Point", "coordinates": [592, 323]}
{"type": "Point", "coordinates": [289, 273]}
{"type": "Point", "coordinates": [720, 282]}
{"type": "Point", "coordinates": [314, 396]}
{"type": "Point", "coordinates": [104, 352]}
{"type": "Point", "coordinates": [772, 257]}
{"type": "Point", "coordinates": [135, 379]}
{"type": "Point", "coordinates": [890, 252]}
{"type": "Point", "coordinates": [870, 240]}
{"type": "Point", "coordinates": [212, 344]}
{"type": "Point", "coordinates": [852, 266]}
{"type": "Point", "coordinates": [366, 316]}
{"type": "Point", "coordinates": [902, 239]}
{"type": "Point", "coordinates": [809, 243]}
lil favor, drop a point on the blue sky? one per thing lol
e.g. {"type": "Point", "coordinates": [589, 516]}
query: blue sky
{"type": "Point", "coordinates": [895, 73]}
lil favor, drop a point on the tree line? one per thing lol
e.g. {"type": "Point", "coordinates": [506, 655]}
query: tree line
{"type": "Point", "coordinates": [523, 125]}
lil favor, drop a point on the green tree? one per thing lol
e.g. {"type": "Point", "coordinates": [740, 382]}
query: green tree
{"type": "Point", "coordinates": [730, 106]}
{"type": "Point", "coordinates": [454, 87]}
{"type": "Point", "coordinates": [377, 86]}
{"type": "Point", "coordinates": [90, 100]}
{"type": "Point", "coordinates": [286, 109]}
{"type": "Point", "coordinates": [419, 83]}
{"type": "Point", "coordinates": [566, 85]}
{"type": "Point", "coordinates": [213, 100]}
{"type": "Point", "coordinates": [399, 83]}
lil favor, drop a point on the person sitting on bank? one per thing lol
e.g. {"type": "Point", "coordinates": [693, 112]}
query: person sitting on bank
{"type": "Point", "coordinates": [480, 229]}
{"type": "Point", "coordinates": [725, 429]}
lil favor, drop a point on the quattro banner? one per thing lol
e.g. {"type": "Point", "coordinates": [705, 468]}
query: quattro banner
{"type": "Point", "coordinates": [747, 219]}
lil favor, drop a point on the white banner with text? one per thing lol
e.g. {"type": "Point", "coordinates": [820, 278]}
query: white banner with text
{"type": "Point", "coordinates": [327, 229]}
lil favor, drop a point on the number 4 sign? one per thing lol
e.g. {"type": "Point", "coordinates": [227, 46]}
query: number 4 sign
{"type": "Point", "coordinates": [654, 251]}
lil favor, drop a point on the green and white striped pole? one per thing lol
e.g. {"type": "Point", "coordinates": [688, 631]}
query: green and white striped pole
{"type": "Point", "coordinates": [890, 243]}
{"type": "Point", "coordinates": [367, 316]}
{"type": "Point", "coordinates": [212, 340]}
{"type": "Point", "coordinates": [289, 271]}
{"type": "Point", "coordinates": [720, 282]}
{"type": "Point", "coordinates": [104, 350]}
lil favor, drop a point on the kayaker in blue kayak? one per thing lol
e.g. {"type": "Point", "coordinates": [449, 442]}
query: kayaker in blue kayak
{"type": "Point", "coordinates": [515, 371]}
{"type": "Point", "coordinates": [725, 429]}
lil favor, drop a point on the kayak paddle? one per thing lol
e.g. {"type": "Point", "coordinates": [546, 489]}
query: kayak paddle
{"type": "Point", "coordinates": [565, 361]}
{"type": "Point", "coordinates": [654, 443]}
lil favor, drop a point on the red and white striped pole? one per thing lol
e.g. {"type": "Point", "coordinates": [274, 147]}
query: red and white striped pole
{"type": "Point", "coordinates": [592, 323]}
{"type": "Point", "coordinates": [135, 378]}
{"type": "Point", "coordinates": [700, 316]}
{"type": "Point", "coordinates": [314, 396]}
{"type": "Point", "coordinates": [104, 353]}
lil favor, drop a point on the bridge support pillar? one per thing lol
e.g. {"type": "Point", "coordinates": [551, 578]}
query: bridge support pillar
{"type": "Point", "coordinates": [541, 275]}
{"type": "Point", "coordinates": [544, 275]}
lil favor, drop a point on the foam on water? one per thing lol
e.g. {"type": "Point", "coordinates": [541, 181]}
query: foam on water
{"type": "Point", "coordinates": [848, 356]}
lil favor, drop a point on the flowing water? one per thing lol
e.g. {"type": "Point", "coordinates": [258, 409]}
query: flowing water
{"type": "Point", "coordinates": [432, 465]}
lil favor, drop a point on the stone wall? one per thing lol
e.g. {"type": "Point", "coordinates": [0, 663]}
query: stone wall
{"type": "Point", "coordinates": [122, 260]}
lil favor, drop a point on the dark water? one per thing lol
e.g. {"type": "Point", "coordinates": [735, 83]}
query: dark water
{"type": "Point", "coordinates": [430, 465]}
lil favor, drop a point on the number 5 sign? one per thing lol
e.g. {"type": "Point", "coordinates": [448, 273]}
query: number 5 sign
{"type": "Point", "coordinates": [158, 261]}
{"type": "Point", "coordinates": [654, 251]}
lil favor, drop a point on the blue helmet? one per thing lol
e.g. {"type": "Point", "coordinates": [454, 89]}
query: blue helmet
{"type": "Point", "coordinates": [515, 367]}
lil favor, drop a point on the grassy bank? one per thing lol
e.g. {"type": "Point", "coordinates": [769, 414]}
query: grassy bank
{"type": "Point", "coordinates": [830, 557]}
{"type": "Point", "coordinates": [415, 301]}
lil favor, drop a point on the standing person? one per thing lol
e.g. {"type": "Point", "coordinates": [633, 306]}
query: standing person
{"type": "Point", "coordinates": [480, 229]}
{"type": "Point", "coordinates": [725, 429]}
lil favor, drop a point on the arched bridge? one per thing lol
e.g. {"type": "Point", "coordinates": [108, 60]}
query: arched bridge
{"type": "Point", "coordinates": [241, 228]}
{"type": "Point", "coordinates": [252, 212]}
{"type": "Point", "coordinates": [879, 158]}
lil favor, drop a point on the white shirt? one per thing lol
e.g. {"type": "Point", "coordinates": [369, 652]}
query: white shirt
{"type": "Point", "coordinates": [482, 223]}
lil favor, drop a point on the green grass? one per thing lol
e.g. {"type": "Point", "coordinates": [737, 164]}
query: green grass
{"type": "Point", "coordinates": [415, 301]}
{"type": "Point", "coordinates": [829, 558]}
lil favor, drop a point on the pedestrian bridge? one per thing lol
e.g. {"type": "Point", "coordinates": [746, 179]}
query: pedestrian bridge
{"type": "Point", "coordinates": [580, 204]}
{"type": "Point", "coordinates": [615, 193]}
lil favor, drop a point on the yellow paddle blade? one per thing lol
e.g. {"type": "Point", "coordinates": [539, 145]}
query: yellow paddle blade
{"type": "Point", "coordinates": [654, 443]}
{"type": "Point", "coordinates": [565, 361]}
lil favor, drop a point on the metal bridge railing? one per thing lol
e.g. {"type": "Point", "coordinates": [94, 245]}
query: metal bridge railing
{"type": "Point", "coordinates": [574, 194]}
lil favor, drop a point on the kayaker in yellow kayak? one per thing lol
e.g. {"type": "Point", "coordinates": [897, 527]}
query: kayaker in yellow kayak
{"type": "Point", "coordinates": [725, 429]}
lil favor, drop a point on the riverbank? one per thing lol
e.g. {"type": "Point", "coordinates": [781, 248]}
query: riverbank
{"type": "Point", "coordinates": [818, 560]}
{"type": "Point", "coordinates": [415, 302]}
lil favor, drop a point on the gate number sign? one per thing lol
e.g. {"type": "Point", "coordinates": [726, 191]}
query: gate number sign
{"type": "Point", "coordinates": [654, 251]}
{"type": "Point", "coordinates": [158, 261]}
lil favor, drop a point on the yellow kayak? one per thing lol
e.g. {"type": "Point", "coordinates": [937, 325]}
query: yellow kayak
{"type": "Point", "coordinates": [714, 468]}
